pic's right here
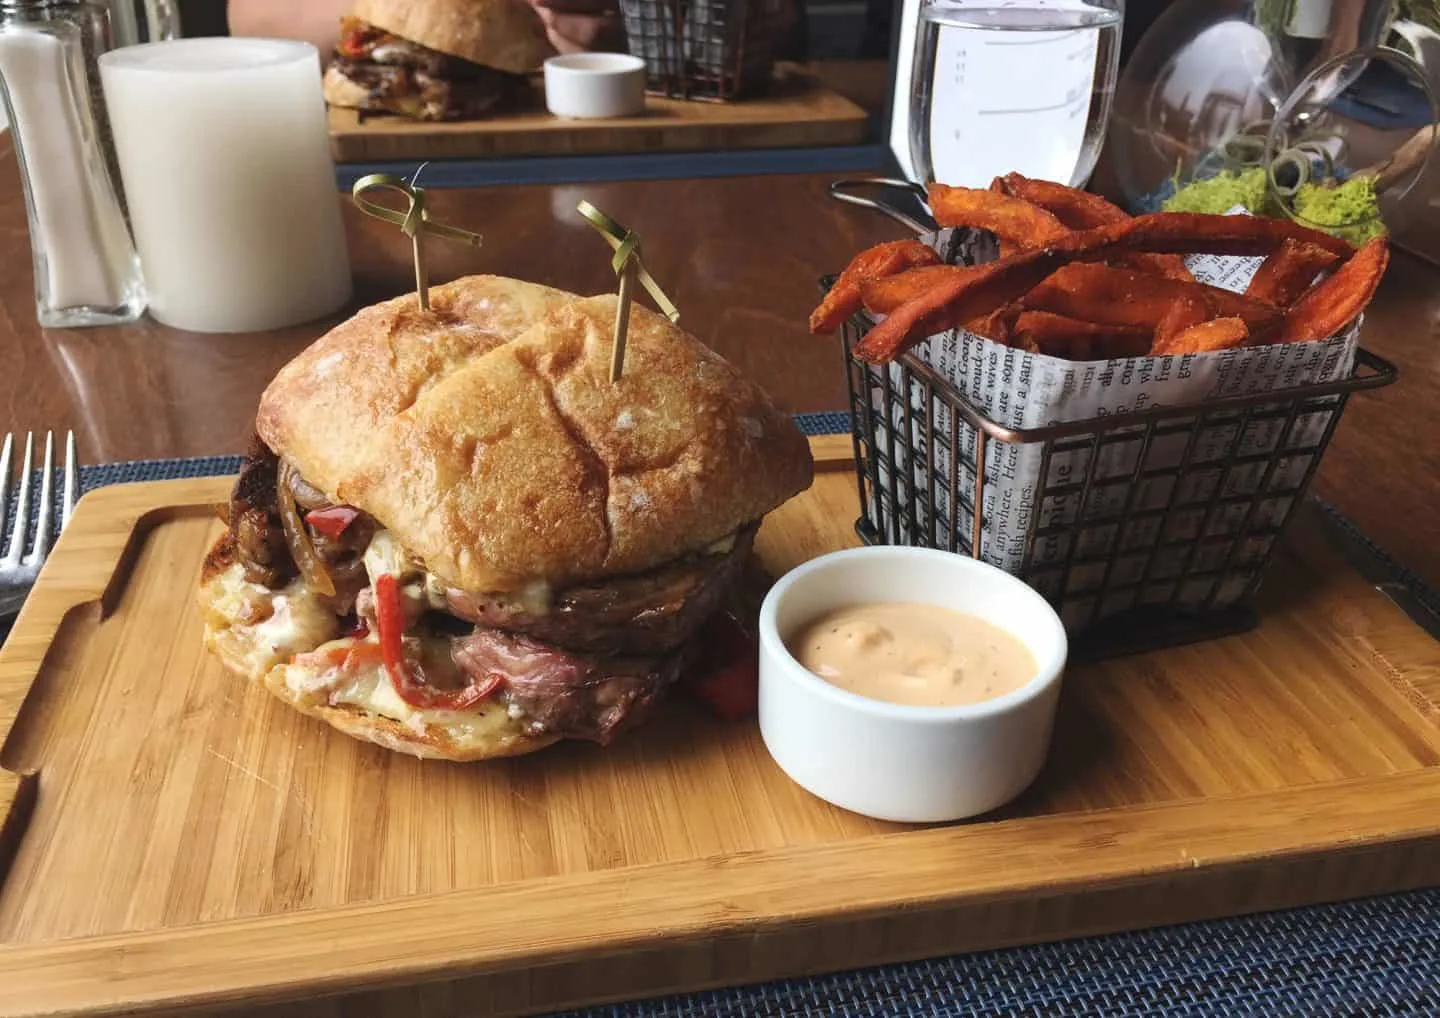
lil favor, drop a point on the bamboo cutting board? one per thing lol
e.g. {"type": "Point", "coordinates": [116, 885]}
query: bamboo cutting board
{"type": "Point", "coordinates": [189, 843]}
{"type": "Point", "coordinates": [799, 111]}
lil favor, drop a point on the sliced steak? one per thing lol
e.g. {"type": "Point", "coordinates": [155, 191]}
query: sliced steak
{"type": "Point", "coordinates": [576, 696]}
{"type": "Point", "coordinates": [645, 614]}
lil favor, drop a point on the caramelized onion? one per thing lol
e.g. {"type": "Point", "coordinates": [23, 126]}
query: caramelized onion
{"type": "Point", "coordinates": [307, 496]}
{"type": "Point", "coordinates": [307, 560]}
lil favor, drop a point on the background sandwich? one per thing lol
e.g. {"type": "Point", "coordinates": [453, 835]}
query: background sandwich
{"type": "Point", "coordinates": [439, 60]}
{"type": "Point", "coordinates": [457, 537]}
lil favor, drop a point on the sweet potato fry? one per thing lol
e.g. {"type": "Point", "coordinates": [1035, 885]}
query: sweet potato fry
{"type": "Point", "coordinates": [1076, 340]}
{"type": "Point", "coordinates": [1186, 311]}
{"type": "Point", "coordinates": [1076, 209]}
{"type": "Point", "coordinates": [1195, 233]}
{"type": "Point", "coordinates": [1081, 210]}
{"type": "Point", "coordinates": [953, 303]}
{"type": "Point", "coordinates": [1010, 219]}
{"type": "Point", "coordinates": [1112, 296]}
{"type": "Point", "coordinates": [1333, 303]}
{"type": "Point", "coordinates": [998, 325]}
{"type": "Point", "coordinates": [1288, 272]}
{"type": "Point", "coordinates": [1207, 337]}
{"type": "Point", "coordinates": [1169, 266]}
{"type": "Point", "coordinates": [843, 300]}
{"type": "Point", "coordinates": [884, 295]}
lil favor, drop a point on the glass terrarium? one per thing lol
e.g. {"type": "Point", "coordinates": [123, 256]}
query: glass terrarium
{"type": "Point", "coordinates": [1294, 108]}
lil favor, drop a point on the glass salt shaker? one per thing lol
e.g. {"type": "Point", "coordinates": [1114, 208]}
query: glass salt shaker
{"type": "Point", "coordinates": [86, 268]}
{"type": "Point", "coordinates": [137, 21]}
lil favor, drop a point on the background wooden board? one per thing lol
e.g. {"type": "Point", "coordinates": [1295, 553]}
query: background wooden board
{"type": "Point", "coordinates": [195, 842]}
{"type": "Point", "coordinates": [799, 111]}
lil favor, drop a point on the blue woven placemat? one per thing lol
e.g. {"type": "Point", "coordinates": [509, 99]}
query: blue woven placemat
{"type": "Point", "coordinates": [1363, 959]}
{"type": "Point", "coordinates": [1372, 958]}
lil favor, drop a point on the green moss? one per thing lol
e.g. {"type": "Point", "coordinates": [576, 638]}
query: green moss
{"type": "Point", "coordinates": [1336, 208]}
{"type": "Point", "coordinates": [1348, 210]}
{"type": "Point", "coordinates": [1221, 193]}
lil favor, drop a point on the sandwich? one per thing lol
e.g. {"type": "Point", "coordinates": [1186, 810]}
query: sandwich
{"type": "Point", "coordinates": [439, 60]}
{"type": "Point", "coordinates": [455, 537]}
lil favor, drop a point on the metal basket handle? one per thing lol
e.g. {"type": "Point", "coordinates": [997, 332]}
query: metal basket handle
{"type": "Point", "coordinates": [844, 190]}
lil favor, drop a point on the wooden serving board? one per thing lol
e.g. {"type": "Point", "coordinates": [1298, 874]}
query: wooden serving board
{"type": "Point", "coordinates": [189, 842]}
{"type": "Point", "coordinates": [798, 111]}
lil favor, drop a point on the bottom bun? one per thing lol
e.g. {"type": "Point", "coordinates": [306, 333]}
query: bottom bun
{"type": "Point", "coordinates": [257, 634]}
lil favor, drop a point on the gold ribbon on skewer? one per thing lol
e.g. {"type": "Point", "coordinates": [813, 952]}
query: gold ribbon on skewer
{"type": "Point", "coordinates": [414, 221]}
{"type": "Point", "coordinates": [630, 269]}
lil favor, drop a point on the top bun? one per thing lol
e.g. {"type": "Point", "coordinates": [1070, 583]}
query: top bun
{"type": "Point", "coordinates": [487, 435]}
{"type": "Point", "coordinates": [504, 34]}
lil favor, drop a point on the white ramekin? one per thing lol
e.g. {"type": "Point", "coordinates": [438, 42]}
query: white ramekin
{"type": "Point", "coordinates": [897, 762]}
{"type": "Point", "coordinates": [588, 86]}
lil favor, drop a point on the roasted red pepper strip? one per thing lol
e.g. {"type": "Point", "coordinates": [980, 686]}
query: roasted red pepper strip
{"type": "Point", "coordinates": [332, 520]}
{"type": "Point", "coordinates": [390, 621]}
{"type": "Point", "coordinates": [729, 682]}
{"type": "Point", "coordinates": [876, 262]}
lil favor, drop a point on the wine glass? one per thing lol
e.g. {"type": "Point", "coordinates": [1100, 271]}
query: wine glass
{"type": "Point", "coordinates": [1023, 86]}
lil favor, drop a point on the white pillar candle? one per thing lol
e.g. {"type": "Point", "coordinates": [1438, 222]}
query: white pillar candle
{"type": "Point", "coordinates": [224, 153]}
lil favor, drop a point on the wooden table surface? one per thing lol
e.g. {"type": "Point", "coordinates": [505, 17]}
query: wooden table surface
{"type": "Point", "coordinates": [740, 255]}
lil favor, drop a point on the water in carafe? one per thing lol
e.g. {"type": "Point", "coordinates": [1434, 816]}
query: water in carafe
{"type": "Point", "coordinates": [1022, 87]}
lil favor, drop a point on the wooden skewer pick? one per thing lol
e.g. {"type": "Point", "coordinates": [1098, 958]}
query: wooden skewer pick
{"type": "Point", "coordinates": [630, 269]}
{"type": "Point", "coordinates": [414, 222]}
{"type": "Point", "coordinates": [622, 320]}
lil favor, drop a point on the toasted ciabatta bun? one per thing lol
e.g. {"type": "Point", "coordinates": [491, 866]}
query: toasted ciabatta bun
{"type": "Point", "coordinates": [504, 34]}
{"type": "Point", "coordinates": [505, 463]}
{"type": "Point", "coordinates": [255, 632]}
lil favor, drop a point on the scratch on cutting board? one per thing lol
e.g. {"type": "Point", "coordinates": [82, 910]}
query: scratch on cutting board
{"type": "Point", "coordinates": [307, 817]}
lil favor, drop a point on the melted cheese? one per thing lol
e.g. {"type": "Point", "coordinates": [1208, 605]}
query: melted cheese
{"type": "Point", "coordinates": [723, 546]}
{"type": "Point", "coordinates": [290, 621]}
{"type": "Point", "coordinates": [385, 555]}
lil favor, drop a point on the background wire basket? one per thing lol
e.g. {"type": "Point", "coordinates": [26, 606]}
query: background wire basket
{"type": "Point", "coordinates": [704, 49]}
{"type": "Point", "coordinates": [1158, 551]}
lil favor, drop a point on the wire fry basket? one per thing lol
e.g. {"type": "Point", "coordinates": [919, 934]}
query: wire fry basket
{"type": "Point", "coordinates": [1153, 550]}
{"type": "Point", "coordinates": [713, 50]}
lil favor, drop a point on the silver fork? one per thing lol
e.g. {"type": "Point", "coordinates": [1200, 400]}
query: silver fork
{"type": "Point", "coordinates": [19, 568]}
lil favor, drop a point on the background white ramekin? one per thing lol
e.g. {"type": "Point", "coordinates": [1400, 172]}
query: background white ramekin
{"type": "Point", "coordinates": [588, 86]}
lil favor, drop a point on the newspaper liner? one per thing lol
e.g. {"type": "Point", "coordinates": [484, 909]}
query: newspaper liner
{"type": "Point", "coordinates": [1021, 390]}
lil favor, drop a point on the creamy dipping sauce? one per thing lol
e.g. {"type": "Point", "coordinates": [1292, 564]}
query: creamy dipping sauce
{"type": "Point", "coordinates": [916, 654]}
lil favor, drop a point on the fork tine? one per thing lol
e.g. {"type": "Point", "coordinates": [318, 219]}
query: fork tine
{"type": "Point", "coordinates": [45, 521]}
{"type": "Point", "coordinates": [72, 480]}
{"type": "Point", "coordinates": [22, 505]}
{"type": "Point", "coordinates": [5, 457]}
